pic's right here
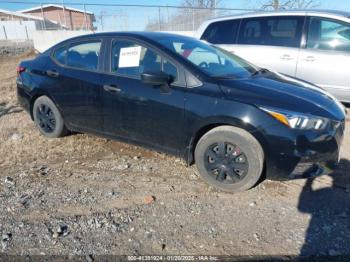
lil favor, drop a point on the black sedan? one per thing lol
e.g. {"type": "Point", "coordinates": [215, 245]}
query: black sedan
{"type": "Point", "coordinates": [237, 122]}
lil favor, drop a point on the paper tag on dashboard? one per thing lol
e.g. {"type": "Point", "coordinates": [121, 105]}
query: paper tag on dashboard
{"type": "Point", "coordinates": [130, 56]}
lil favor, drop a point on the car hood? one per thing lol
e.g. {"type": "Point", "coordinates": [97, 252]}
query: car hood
{"type": "Point", "coordinates": [283, 92]}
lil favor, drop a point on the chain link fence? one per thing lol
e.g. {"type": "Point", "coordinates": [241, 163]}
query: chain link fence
{"type": "Point", "coordinates": [116, 17]}
{"type": "Point", "coordinates": [158, 18]}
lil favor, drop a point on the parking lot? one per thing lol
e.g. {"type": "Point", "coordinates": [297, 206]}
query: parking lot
{"type": "Point", "coordinates": [87, 195]}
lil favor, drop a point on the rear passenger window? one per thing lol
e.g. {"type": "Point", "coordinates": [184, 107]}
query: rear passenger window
{"type": "Point", "coordinates": [272, 31]}
{"type": "Point", "coordinates": [84, 55]}
{"type": "Point", "coordinates": [223, 32]}
{"type": "Point", "coordinates": [328, 34]}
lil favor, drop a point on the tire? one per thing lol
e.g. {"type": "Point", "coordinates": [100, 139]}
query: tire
{"type": "Point", "coordinates": [47, 118]}
{"type": "Point", "coordinates": [229, 158]}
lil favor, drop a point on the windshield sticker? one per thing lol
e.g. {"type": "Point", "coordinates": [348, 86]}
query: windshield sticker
{"type": "Point", "coordinates": [130, 56]}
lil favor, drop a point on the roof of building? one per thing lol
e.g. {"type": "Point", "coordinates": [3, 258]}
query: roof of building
{"type": "Point", "coordinates": [32, 17]}
{"type": "Point", "coordinates": [54, 5]}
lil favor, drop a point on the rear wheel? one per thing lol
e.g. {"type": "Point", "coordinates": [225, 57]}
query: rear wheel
{"type": "Point", "coordinates": [47, 118]}
{"type": "Point", "coordinates": [229, 158]}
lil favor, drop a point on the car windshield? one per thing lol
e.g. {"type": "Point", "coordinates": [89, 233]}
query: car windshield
{"type": "Point", "coordinates": [212, 60]}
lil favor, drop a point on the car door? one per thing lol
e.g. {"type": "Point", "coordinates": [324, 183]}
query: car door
{"type": "Point", "coordinates": [139, 112]}
{"type": "Point", "coordinates": [326, 56]}
{"type": "Point", "coordinates": [271, 42]}
{"type": "Point", "coordinates": [74, 74]}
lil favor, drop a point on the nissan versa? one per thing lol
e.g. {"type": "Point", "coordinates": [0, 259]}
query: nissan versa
{"type": "Point", "coordinates": [237, 122]}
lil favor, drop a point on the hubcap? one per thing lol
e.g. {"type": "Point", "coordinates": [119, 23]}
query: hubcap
{"type": "Point", "coordinates": [226, 162]}
{"type": "Point", "coordinates": [46, 118]}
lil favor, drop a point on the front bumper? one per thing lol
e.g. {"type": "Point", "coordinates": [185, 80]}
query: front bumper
{"type": "Point", "coordinates": [307, 154]}
{"type": "Point", "coordinates": [310, 169]}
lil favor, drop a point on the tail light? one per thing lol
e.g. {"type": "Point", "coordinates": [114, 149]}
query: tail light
{"type": "Point", "coordinates": [20, 69]}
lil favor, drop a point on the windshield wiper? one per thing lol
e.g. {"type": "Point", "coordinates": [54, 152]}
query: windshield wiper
{"type": "Point", "coordinates": [260, 71]}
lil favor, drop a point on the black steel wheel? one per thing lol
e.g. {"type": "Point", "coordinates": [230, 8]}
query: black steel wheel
{"type": "Point", "coordinates": [229, 158]}
{"type": "Point", "coordinates": [47, 118]}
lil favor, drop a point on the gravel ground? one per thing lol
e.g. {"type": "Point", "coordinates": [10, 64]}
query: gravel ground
{"type": "Point", "coordinates": [82, 194]}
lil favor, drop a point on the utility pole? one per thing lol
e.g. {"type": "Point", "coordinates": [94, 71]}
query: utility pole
{"type": "Point", "coordinates": [101, 18]}
{"type": "Point", "coordinates": [64, 14]}
{"type": "Point", "coordinates": [42, 16]}
{"type": "Point", "coordinates": [160, 27]}
{"type": "Point", "coordinates": [85, 19]}
{"type": "Point", "coordinates": [215, 14]}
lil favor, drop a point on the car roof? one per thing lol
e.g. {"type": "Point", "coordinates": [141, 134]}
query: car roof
{"type": "Point", "coordinates": [142, 35]}
{"type": "Point", "coordinates": [301, 12]}
{"type": "Point", "coordinates": [135, 34]}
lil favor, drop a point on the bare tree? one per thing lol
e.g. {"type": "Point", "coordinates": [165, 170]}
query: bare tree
{"type": "Point", "coordinates": [189, 17]}
{"type": "Point", "coordinates": [201, 3]}
{"type": "Point", "coordinates": [289, 4]}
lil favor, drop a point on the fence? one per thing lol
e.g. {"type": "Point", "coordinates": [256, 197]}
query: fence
{"type": "Point", "coordinates": [52, 22]}
{"type": "Point", "coordinates": [110, 16]}
{"type": "Point", "coordinates": [14, 30]}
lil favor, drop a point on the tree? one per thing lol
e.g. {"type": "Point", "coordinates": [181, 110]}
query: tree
{"type": "Point", "coordinates": [201, 3]}
{"type": "Point", "coordinates": [187, 18]}
{"type": "Point", "coordinates": [289, 4]}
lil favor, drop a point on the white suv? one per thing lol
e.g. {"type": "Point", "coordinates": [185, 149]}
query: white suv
{"type": "Point", "coordinates": [313, 45]}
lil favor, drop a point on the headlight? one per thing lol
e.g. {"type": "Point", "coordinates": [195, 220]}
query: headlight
{"type": "Point", "coordinates": [296, 120]}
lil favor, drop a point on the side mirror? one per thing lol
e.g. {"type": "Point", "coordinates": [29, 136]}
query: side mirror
{"type": "Point", "coordinates": [156, 78]}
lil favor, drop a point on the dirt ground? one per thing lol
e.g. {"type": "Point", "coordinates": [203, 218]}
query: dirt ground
{"type": "Point", "coordinates": [82, 194]}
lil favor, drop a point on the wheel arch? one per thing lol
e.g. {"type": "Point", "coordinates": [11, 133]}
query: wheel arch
{"type": "Point", "coordinates": [35, 97]}
{"type": "Point", "coordinates": [206, 127]}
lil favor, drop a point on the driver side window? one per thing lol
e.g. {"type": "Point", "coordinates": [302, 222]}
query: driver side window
{"type": "Point", "coordinates": [132, 59]}
{"type": "Point", "coordinates": [328, 34]}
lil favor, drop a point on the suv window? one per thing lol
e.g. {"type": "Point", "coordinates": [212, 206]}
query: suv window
{"type": "Point", "coordinates": [84, 55]}
{"type": "Point", "coordinates": [132, 59]}
{"type": "Point", "coordinates": [328, 34]}
{"type": "Point", "coordinates": [273, 31]}
{"type": "Point", "coordinates": [222, 32]}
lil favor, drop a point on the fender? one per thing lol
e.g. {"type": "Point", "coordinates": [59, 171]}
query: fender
{"type": "Point", "coordinates": [213, 122]}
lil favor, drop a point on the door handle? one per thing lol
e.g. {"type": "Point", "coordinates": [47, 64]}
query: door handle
{"type": "Point", "coordinates": [286, 57]}
{"type": "Point", "coordinates": [310, 58]}
{"type": "Point", "coordinates": [111, 88]}
{"type": "Point", "coordinates": [52, 73]}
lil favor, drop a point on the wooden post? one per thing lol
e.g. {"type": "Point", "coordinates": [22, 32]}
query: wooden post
{"type": "Point", "coordinates": [159, 22]}
{"type": "Point", "coordinates": [64, 15]}
{"type": "Point", "coordinates": [42, 15]}
{"type": "Point", "coordinates": [85, 18]}
{"type": "Point", "coordinates": [3, 27]}
{"type": "Point", "coordinates": [25, 27]}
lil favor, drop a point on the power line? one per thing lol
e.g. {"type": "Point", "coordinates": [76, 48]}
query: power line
{"type": "Point", "coordinates": [130, 5]}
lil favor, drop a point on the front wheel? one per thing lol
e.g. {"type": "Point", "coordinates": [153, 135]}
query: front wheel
{"type": "Point", "coordinates": [229, 158]}
{"type": "Point", "coordinates": [47, 118]}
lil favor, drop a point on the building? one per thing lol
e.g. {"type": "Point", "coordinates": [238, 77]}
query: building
{"type": "Point", "coordinates": [10, 18]}
{"type": "Point", "coordinates": [6, 15]}
{"type": "Point", "coordinates": [70, 18]}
